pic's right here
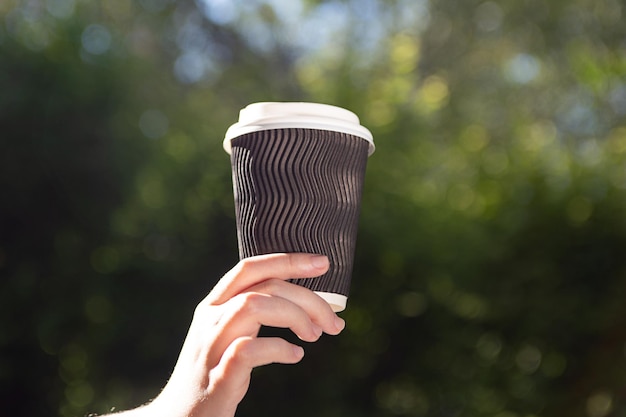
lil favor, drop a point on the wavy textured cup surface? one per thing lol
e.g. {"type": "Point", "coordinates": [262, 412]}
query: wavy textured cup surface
{"type": "Point", "coordinates": [299, 190]}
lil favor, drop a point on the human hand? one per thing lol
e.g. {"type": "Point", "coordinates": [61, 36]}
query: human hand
{"type": "Point", "coordinates": [212, 374]}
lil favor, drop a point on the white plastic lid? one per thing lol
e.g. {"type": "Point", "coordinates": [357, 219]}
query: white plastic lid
{"type": "Point", "coordinates": [277, 115]}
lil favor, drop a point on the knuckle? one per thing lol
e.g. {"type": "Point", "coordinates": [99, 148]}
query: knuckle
{"type": "Point", "coordinates": [243, 348]}
{"type": "Point", "coordinates": [244, 266]}
{"type": "Point", "coordinates": [206, 315]}
{"type": "Point", "coordinates": [241, 352]}
{"type": "Point", "coordinates": [200, 310]}
{"type": "Point", "coordinates": [270, 286]}
{"type": "Point", "coordinates": [236, 270]}
{"type": "Point", "coordinates": [248, 303]}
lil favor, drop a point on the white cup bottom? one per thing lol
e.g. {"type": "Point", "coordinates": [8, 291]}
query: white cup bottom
{"type": "Point", "coordinates": [337, 301]}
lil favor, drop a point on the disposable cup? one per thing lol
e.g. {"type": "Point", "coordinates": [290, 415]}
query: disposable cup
{"type": "Point", "coordinates": [298, 172]}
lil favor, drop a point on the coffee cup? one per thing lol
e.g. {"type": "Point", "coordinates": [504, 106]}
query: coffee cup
{"type": "Point", "coordinates": [298, 172]}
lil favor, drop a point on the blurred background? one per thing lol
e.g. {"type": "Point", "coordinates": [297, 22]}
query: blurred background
{"type": "Point", "coordinates": [490, 275]}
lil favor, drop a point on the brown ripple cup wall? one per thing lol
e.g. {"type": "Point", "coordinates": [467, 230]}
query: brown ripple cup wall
{"type": "Point", "coordinates": [299, 190]}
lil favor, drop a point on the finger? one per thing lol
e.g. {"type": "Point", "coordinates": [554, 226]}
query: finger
{"type": "Point", "coordinates": [251, 271]}
{"type": "Point", "coordinates": [247, 353]}
{"type": "Point", "coordinates": [315, 306]}
{"type": "Point", "coordinates": [230, 379]}
{"type": "Point", "coordinates": [245, 314]}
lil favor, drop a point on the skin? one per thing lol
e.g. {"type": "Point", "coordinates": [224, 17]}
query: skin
{"type": "Point", "coordinates": [212, 373]}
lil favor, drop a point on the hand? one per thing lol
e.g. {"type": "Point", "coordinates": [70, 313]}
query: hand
{"type": "Point", "coordinates": [212, 374]}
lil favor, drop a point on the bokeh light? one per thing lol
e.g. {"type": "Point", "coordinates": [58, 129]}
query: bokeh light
{"type": "Point", "coordinates": [489, 274]}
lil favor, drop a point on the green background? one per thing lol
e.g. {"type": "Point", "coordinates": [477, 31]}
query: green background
{"type": "Point", "coordinates": [490, 273]}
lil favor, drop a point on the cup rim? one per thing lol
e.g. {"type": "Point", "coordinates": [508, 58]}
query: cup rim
{"type": "Point", "coordinates": [281, 115]}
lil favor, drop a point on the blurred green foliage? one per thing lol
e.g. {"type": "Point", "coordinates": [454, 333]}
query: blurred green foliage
{"type": "Point", "coordinates": [490, 276]}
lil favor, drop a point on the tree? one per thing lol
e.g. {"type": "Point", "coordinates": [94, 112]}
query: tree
{"type": "Point", "coordinates": [489, 276]}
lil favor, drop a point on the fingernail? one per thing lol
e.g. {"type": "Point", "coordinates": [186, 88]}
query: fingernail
{"type": "Point", "coordinates": [298, 351]}
{"type": "Point", "coordinates": [319, 261]}
{"type": "Point", "coordinates": [340, 323]}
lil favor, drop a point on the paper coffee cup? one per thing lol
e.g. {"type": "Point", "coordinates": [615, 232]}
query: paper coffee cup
{"type": "Point", "coordinates": [298, 171]}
